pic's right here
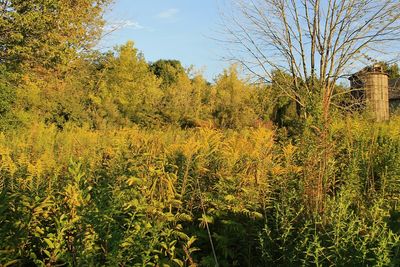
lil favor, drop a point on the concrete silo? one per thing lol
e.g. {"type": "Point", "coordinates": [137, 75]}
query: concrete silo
{"type": "Point", "coordinates": [375, 83]}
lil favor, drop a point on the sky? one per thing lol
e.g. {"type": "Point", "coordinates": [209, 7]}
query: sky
{"type": "Point", "coordinates": [169, 29]}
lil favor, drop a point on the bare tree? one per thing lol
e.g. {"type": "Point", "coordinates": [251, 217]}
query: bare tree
{"type": "Point", "coordinates": [316, 41]}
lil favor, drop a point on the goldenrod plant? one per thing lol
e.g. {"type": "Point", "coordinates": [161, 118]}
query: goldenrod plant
{"type": "Point", "coordinates": [108, 160]}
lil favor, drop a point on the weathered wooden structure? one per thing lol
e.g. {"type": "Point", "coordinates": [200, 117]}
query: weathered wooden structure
{"type": "Point", "coordinates": [371, 85]}
{"type": "Point", "coordinates": [394, 94]}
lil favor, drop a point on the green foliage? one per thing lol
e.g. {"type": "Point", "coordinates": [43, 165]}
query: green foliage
{"type": "Point", "coordinates": [45, 32]}
{"type": "Point", "coordinates": [285, 111]}
{"type": "Point", "coordinates": [7, 99]}
{"type": "Point", "coordinates": [168, 71]}
{"type": "Point", "coordinates": [343, 236]}
{"type": "Point", "coordinates": [106, 160]}
{"type": "Point", "coordinates": [131, 86]}
{"type": "Point", "coordinates": [233, 107]}
{"type": "Point", "coordinates": [77, 217]}
{"type": "Point", "coordinates": [147, 197]}
{"type": "Point", "coordinates": [391, 69]}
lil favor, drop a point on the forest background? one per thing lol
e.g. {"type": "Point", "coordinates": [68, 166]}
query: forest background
{"type": "Point", "coordinates": [109, 160]}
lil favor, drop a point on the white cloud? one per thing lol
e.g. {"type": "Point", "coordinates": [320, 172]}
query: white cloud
{"type": "Point", "coordinates": [168, 14]}
{"type": "Point", "coordinates": [123, 24]}
{"type": "Point", "coordinates": [130, 24]}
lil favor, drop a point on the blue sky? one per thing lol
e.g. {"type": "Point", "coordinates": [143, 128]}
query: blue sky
{"type": "Point", "coordinates": [169, 29]}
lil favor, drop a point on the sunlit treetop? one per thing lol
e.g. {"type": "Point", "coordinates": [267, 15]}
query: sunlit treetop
{"type": "Point", "coordinates": [48, 32]}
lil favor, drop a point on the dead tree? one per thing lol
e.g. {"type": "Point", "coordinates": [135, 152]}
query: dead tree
{"type": "Point", "coordinates": [316, 42]}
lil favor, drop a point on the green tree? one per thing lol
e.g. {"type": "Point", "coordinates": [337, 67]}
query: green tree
{"type": "Point", "coordinates": [168, 71]}
{"type": "Point", "coordinates": [47, 32]}
{"type": "Point", "coordinates": [131, 86]}
{"type": "Point", "coordinates": [234, 101]}
{"type": "Point", "coordinates": [7, 99]}
{"type": "Point", "coordinates": [393, 70]}
{"type": "Point", "coordinates": [176, 104]}
{"type": "Point", "coordinates": [201, 98]}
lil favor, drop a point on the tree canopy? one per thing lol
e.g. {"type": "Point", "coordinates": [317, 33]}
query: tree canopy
{"type": "Point", "coordinates": [168, 70]}
{"type": "Point", "coordinates": [48, 32]}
